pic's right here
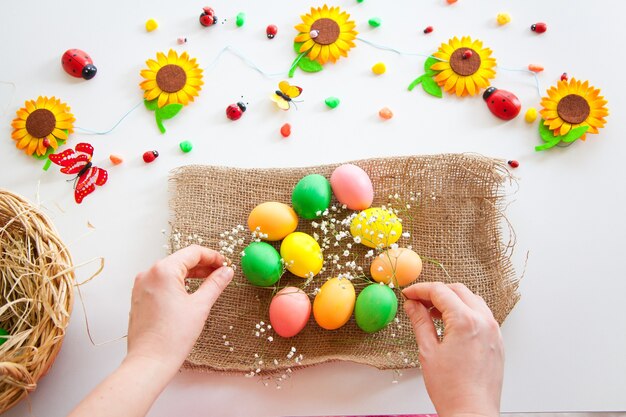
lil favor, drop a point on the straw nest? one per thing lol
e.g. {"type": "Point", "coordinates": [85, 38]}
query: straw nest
{"type": "Point", "coordinates": [36, 294]}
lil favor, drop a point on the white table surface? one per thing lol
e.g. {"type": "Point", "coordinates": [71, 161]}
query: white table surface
{"type": "Point", "coordinates": [565, 339]}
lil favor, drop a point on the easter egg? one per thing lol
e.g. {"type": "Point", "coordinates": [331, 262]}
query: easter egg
{"type": "Point", "coordinates": [352, 187]}
{"type": "Point", "coordinates": [261, 264]}
{"type": "Point", "coordinates": [311, 196]}
{"type": "Point", "coordinates": [302, 254]}
{"type": "Point", "coordinates": [334, 303]}
{"type": "Point", "coordinates": [376, 227]}
{"type": "Point", "coordinates": [375, 308]}
{"type": "Point", "coordinates": [276, 220]}
{"type": "Point", "coordinates": [3, 336]}
{"type": "Point", "coordinates": [290, 310]}
{"type": "Point", "coordinates": [400, 266]}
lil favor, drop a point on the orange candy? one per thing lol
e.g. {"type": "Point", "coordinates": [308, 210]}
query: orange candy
{"type": "Point", "coordinates": [385, 113]}
{"type": "Point", "coordinates": [535, 68]}
{"type": "Point", "coordinates": [115, 160]}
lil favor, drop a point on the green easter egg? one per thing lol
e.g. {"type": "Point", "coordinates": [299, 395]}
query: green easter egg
{"type": "Point", "coordinates": [311, 196]}
{"type": "Point", "coordinates": [261, 264]}
{"type": "Point", "coordinates": [186, 146]}
{"type": "Point", "coordinates": [241, 19]}
{"type": "Point", "coordinates": [375, 22]}
{"type": "Point", "coordinates": [3, 336]}
{"type": "Point", "coordinates": [332, 102]}
{"type": "Point", "coordinates": [376, 306]}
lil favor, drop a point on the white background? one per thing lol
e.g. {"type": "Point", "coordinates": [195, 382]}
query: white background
{"type": "Point", "coordinates": [566, 338]}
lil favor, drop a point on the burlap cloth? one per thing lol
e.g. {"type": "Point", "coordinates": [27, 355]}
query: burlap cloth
{"type": "Point", "coordinates": [456, 221]}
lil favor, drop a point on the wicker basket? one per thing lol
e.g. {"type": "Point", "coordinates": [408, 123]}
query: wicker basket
{"type": "Point", "coordinates": [36, 295]}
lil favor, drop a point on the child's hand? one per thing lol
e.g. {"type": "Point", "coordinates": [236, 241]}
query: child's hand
{"type": "Point", "coordinates": [165, 320]}
{"type": "Point", "coordinates": [462, 373]}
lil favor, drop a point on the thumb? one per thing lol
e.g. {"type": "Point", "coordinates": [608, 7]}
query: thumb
{"type": "Point", "coordinates": [423, 327]}
{"type": "Point", "coordinates": [214, 284]}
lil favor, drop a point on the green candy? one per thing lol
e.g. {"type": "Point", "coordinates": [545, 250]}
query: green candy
{"type": "Point", "coordinates": [376, 306]}
{"type": "Point", "coordinates": [185, 146]}
{"type": "Point", "coordinates": [241, 19]}
{"type": "Point", "coordinates": [359, 1]}
{"type": "Point", "coordinates": [332, 102]}
{"type": "Point", "coordinates": [261, 264]}
{"type": "Point", "coordinates": [375, 22]}
{"type": "Point", "coordinates": [3, 336]}
{"type": "Point", "coordinates": [311, 196]}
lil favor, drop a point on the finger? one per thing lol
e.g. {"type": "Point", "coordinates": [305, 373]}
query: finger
{"type": "Point", "coordinates": [200, 272]}
{"type": "Point", "coordinates": [468, 297]}
{"type": "Point", "coordinates": [423, 327]}
{"type": "Point", "coordinates": [441, 296]}
{"type": "Point", "coordinates": [214, 284]}
{"type": "Point", "coordinates": [188, 258]}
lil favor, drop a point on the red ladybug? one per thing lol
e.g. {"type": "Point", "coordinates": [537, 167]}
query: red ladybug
{"type": "Point", "coordinates": [78, 64]}
{"type": "Point", "coordinates": [150, 156]}
{"type": "Point", "coordinates": [539, 27]}
{"type": "Point", "coordinates": [208, 18]}
{"type": "Point", "coordinates": [502, 103]}
{"type": "Point", "coordinates": [271, 31]}
{"type": "Point", "coordinates": [235, 111]}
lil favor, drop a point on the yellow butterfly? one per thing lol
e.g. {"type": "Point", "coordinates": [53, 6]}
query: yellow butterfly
{"type": "Point", "coordinates": [285, 94]}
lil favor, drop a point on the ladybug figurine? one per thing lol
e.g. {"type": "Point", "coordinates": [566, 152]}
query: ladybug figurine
{"type": "Point", "coordinates": [271, 31]}
{"type": "Point", "coordinates": [502, 103]}
{"type": "Point", "coordinates": [235, 111]}
{"type": "Point", "coordinates": [539, 27]}
{"type": "Point", "coordinates": [208, 18]}
{"type": "Point", "coordinates": [78, 64]}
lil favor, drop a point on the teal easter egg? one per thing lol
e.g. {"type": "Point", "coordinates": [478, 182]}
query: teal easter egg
{"type": "Point", "coordinates": [311, 196]}
{"type": "Point", "coordinates": [261, 264]}
{"type": "Point", "coordinates": [376, 306]}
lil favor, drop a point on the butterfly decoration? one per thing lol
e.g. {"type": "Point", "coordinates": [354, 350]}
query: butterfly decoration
{"type": "Point", "coordinates": [283, 97]}
{"type": "Point", "coordinates": [78, 161]}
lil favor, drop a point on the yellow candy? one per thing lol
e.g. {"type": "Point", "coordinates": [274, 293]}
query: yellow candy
{"type": "Point", "coordinates": [334, 304]}
{"type": "Point", "coordinates": [379, 68]}
{"type": "Point", "coordinates": [302, 254]}
{"type": "Point", "coordinates": [376, 228]}
{"type": "Point", "coordinates": [151, 24]}
{"type": "Point", "coordinates": [503, 18]}
{"type": "Point", "coordinates": [531, 115]}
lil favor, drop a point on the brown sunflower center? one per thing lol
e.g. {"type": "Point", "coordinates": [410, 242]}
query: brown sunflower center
{"type": "Point", "coordinates": [573, 109]}
{"type": "Point", "coordinates": [40, 123]}
{"type": "Point", "coordinates": [171, 78]}
{"type": "Point", "coordinates": [465, 65]}
{"type": "Point", "coordinates": [327, 31]}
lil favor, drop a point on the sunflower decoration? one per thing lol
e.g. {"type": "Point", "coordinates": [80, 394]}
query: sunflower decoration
{"type": "Point", "coordinates": [462, 67]}
{"type": "Point", "coordinates": [41, 126]}
{"type": "Point", "coordinates": [570, 111]}
{"type": "Point", "coordinates": [171, 82]}
{"type": "Point", "coordinates": [326, 34]}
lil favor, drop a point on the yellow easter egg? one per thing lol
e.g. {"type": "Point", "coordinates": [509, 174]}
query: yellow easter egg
{"type": "Point", "coordinates": [276, 220]}
{"type": "Point", "coordinates": [302, 254]}
{"type": "Point", "coordinates": [334, 303]}
{"type": "Point", "coordinates": [503, 18]}
{"type": "Point", "coordinates": [379, 68]}
{"type": "Point", "coordinates": [376, 227]}
{"type": "Point", "coordinates": [399, 266]}
{"type": "Point", "coordinates": [151, 25]}
{"type": "Point", "coordinates": [531, 115]}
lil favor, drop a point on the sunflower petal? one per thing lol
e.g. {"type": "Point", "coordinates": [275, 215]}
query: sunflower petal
{"type": "Point", "coordinates": [303, 37]}
{"type": "Point", "coordinates": [18, 124]}
{"type": "Point", "coordinates": [30, 106]}
{"type": "Point", "coordinates": [148, 84]}
{"type": "Point", "coordinates": [22, 114]}
{"type": "Point", "coordinates": [58, 133]}
{"type": "Point", "coordinates": [41, 149]}
{"type": "Point", "coordinates": [556, 123]}
{"type": "Point", "coordinates": [470, 86]}
{"type": "Point", "coordinates": [22, 143]}
{"type": "Point", "coordinates": [148, 74]}
{"type": "Point", "coordinates": [161, 59]}
{"type": "Point", "coordinates": [443, 75]}
{"type": "Point", "coordinates": [19, 133]}
{"type": "Point", "coordinates": [439, 66]}
{"type": "Point", "coordinates": [302, 27]}
{"type": "Point", "coordinates": [172, 57]}
{"type": "Point", "coordinates": [334, 51]}
{"type": "Point", "coordinates": [324, 53]}
{"type": "Point", "coordinates": [163, 97]}
{"type": "Point", "coordinates": [450, 82]}
{"type": "Point", "coordinates": [41, 101]}
{"type": "Point", "coordinates": [32, 145]}
{"type": "Point", "coordinates": [53, 142]}
{"type": "Point", "coordinates": [460, 87]}
{"type": "Point", "coordinates": [565, 127]}
{"type": "Point", "coordinates": [307, 45]}
{"type": "Point", "coordinates": [315, 51]}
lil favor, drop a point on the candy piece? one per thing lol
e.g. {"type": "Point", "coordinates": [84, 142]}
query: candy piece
{"type": "Point", "coordinates": [186, 146]}
{"type": "Point", "coordinates": [451, 1]}
{"type": "Point", "coordinates": [531, 115]}
{"type": "Point", "coordinates": [115, 159]}
{"type": "Point", "coordinates": [359, 1]}
{"type": "Point", "coordinates": [150, 156]}
{"type": "Point", "coordinates": [428, 29]}
{"type": "Point", "coordinates": [240, 20]}
{"type": "Point", "coordinates": [535, 68]}
{"type": "Point", "coordinates": [539, 27]}
{"type": "Point", "coordinates": [181, 40]}
{"type": "Point", "coordinates": [285, 130]}
{"type": "Point", "coordinates": [151, 25]}
{"type": "Point", "coordinates": [271, 31]}
{"type": "Point", "coordinates": [379, 68]}
{"type": "Point", "coordinates": [503, 18]}
{"type": "Point", "coordinates": [513, 163]}
{"type": "Point", "coordinates": [385, 113]}
{"type": "Point", "coordinates": [375, 22]}
{"type": "Point", "coordinates": [332, 102]}
{"type": "Point", "coordinates": [564, 76]}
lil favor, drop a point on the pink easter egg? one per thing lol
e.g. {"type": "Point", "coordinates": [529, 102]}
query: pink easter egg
{"type": "Point", "coordinates": [290, 310]}
{"type": "Point", "coordinates": [352, 187]}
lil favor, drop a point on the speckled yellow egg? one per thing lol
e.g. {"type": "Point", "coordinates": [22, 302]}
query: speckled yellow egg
{"type": "Point", "coordinates": [334, 303]}
{"type": "Point", "coordinates": [302, 254]}
{"type": "Point", "coordinates": [274, 219]}
{"type": "Point", "coordinates": [400, 266]}
{"type": "Point", "coordinates": [376, 227]}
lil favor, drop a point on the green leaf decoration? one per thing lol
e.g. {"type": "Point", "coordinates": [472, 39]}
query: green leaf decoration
{"type": "Point", "coordinates": [166, 112]}
{"type": "Point", "coordinates": [545, 133]}
{"type": "Point", "coordinates": [548, 145]}
{"type": "Point", "coordinates": [431, 87]}
{"type": "Point", "coordinates": [416, 82]}
{"type": "Point", "coordinates": [574, 134]}
{"type": "Point", "coordinates": [297, 46]}
{"type": "Point", "coordinates": [152, 104]}
{"type": "Point", "coordinates": [430, 61]}
{"type": "Point", "coordinates": [308, 65]}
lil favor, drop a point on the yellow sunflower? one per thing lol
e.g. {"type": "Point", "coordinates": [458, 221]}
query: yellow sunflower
{"type": "Point", "coordinates": [465, 66]}
{"type": "Point", "coordinates": [573, 104]}
{"type": "Point", "coordinates": [171, 78]}
{"type": "Point", "coordinates": [326, 34]}
{"type": "Point", "coordinates": [40, 125]}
